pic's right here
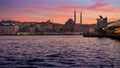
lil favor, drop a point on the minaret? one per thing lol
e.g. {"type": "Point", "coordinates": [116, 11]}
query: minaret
{"type": "Point", "coordinates": [75, 16]}
{"type": "Point", "coordinates": [81, 18]}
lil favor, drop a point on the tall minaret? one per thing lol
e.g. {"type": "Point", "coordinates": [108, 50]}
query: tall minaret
{"type": "Point", "coordinates": [81, 18]}
{"type": "Point", "coordinates": [75, 16]}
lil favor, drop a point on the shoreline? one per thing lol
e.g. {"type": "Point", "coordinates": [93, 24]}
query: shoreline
{"type": "Point", "coordinates": [41, 35]}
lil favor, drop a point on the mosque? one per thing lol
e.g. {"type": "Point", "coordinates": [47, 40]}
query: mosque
{"type": "Point", "coordinates": [70, 24]}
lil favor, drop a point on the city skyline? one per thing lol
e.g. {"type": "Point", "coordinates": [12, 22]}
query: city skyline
{"type": "Point", "coordinates": [59, 10]}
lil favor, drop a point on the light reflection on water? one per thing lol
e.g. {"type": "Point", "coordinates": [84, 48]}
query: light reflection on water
{"type": "Point", "coordinates": [59, 51]}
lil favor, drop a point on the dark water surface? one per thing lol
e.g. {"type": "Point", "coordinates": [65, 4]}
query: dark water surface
{"type": "Point", "coordinates": [59, 51]}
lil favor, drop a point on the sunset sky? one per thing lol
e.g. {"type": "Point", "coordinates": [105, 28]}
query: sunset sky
{"type": "Point", "coordinates": [58, 10]}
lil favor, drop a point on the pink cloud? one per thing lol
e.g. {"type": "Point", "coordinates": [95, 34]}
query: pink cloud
{"type": "Point", "coordinates": [105, 7]}
{"type": "Point", "coordinates": [98, 6]}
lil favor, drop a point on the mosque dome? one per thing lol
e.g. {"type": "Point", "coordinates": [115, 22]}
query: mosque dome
{"type": "Point", "coordinates": [69, 22]}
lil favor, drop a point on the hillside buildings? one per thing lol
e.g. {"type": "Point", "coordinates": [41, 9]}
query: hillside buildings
{"type": "Point", "coordinates": [48, 27]}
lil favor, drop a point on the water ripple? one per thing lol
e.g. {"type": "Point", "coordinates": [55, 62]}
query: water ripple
{"type": "Point", "coordinates": [58, 51]}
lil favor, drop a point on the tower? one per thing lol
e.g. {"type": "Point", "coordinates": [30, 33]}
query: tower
{"type": "Point", "coordinates": [75, 16]}
{"type": "Point", "coordinates": [81, 18]}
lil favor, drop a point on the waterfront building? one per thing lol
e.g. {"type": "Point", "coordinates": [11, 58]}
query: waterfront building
{"type": "Point", "coordinates": [57, 27]}
{"type": "Point", "coordinates": [7, 28]}
{"type": "Point", "coordinates": [46, 26]}
{"type": "Point", "coordinates": [32, 29]}
{"type": "Point", "coordinates": [43, 27]}
{"type": "Point", "coordinates": [69, 26]}
{"type": "Point", "coordinates": [101, 22]}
